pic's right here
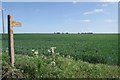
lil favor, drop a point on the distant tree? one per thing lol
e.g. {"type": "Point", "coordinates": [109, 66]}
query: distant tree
{"type": "Point", "coordinates": [66, 32]}
{"type": "Point", "coordinates": [82, 33]}
{"type": "Point", "coordinates": [89, 33]}
{"type": "Point", "coordinates": [58, 32]}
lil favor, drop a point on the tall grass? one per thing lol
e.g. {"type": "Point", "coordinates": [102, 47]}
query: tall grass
{"type": "Point", "coordinates": [63, 67]}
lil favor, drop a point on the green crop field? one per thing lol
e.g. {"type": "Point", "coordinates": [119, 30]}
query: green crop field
{"type": "Point", "coordinates": [95, 50]}
{"type": "Point", "coordinates": [102, 46]}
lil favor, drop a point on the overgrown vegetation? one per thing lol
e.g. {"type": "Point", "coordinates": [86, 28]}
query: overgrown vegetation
{"type": "Point", "coordinates": [56, 67]}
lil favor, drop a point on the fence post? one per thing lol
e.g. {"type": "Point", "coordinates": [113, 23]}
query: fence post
{"type": "Point", "coordinates": [10, 41]}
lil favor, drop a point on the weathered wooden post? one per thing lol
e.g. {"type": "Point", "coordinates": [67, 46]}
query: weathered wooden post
{"type": "Point", "coordinates": [11, 24]}
{"type": "Point", "coordinates": [10, 41]}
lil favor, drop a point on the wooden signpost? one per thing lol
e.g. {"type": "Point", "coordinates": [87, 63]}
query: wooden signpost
{"type": "Point", "coordinates": [11, 24]}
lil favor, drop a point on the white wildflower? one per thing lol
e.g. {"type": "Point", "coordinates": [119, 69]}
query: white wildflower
{"type": "Point", "coordinates": [45, 57]}
{"type": "Point", "coordinates": [68, 56]}
{"type": "Point", "coordinates": [42, 56]}
{"type": "Point", "coordinates": [57, 53]}
{"type": "Point", "coordinates": [36, 52]}
{"type": "Point", "coordinates": [22, 70]}
{"type": "Point", "coordinates": [53, 63]}
{"type": "Point", "coordinates": [50, 58]}
{"type": "Point", "coordinates": [6, 51]}
{"type": "Point", "coordinates": [53, 49]}
{"type": "Point", "coordinates": [49, 50]}
{"type": "Point", "coordinates": [36, 70]}
{"type": "Point", "coordinates": [33, 50]}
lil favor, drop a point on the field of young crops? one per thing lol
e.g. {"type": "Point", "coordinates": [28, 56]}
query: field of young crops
{"type": "Point", "coordinates": [93, 48]}
{"type": "Point", "coordinates": [75, 56]}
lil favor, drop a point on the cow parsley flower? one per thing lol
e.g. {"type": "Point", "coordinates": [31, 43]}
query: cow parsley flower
{"type": "Point", "coordinates": [45, 57]}
{"type": "Point", "coordinates": [52, 50]}
{"type": "Point", "coordinates": [49, 50]}
{"type": "Point", "coordinates": [33, 50]}
{"type": "Point", "coordinates": [53, 63]}
{"type": "Point", "coordinates": [6, 51]}
{"type": "Point", "coordinates": [36, 52]}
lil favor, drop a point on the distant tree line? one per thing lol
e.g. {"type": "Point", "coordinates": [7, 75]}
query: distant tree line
{"type": "Point", "coordinates": [87, 33]}
{"type": "Point", "coordinates": [70, 33]}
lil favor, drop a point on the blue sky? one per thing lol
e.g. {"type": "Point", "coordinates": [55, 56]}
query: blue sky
{"type": "Point", "coordinates": [59, 0]}
{"type": "Point", "coordinates": [74, 17]}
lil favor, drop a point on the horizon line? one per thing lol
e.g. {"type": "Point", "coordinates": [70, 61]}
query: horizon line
{"type": "Point", "coordinates": [64, 33]}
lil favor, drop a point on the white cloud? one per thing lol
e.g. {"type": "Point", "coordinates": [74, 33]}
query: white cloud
{"type": "Point", "coordinates": [74, 2]}
{"type": "Point", "coordinates": [94, 11]}
{"type": "Point", "coordinates": [90, 12]}
{"type": "Point", "coordinates": [103, 5]}
{"type": "Point", "coordinates": [108, 20]}
{"type": "Point", "coordinates": [98, 10]}
{"type": "Point", "coordinates": [86, 20]}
